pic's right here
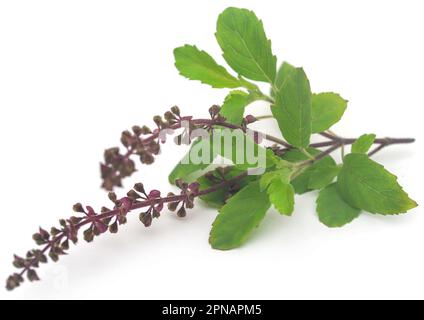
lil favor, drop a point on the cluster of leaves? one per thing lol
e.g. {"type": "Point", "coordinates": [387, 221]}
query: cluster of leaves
{"type": "Point", "coordinates": [345, 190]}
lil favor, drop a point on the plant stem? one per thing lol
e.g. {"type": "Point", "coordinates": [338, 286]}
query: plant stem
{"type": "Point", "coordinates": [322, 154]}
{"type": "Point", "coordinates": [138, 205]}
{"type": "Point", "coordinates": [265, 117]}
{"type": "Point", "coordinates": [338, 142]}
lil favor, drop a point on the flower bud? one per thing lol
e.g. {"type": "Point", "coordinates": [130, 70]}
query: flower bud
{"type": "Point", "coordinates": [32, 275]}
{"type": "Point", "coordinates": [175, 110]}
{"type": "Point", "coordinates": [214, 111]}
{"type": "Point", "coordinates": [38, 239]}
{"type": "Point", "coordinates": [147, 158]}
{"type": "Point", "coordinates": [65, 245]}
{"type": "Point", "coordinates": [146, 219]}
{"type": "Point", "coordinates": [78, 208]}
{"type": "Point", "coordinates": [122, 219]}
{"type": "Point", "coordinates": [18, 262]}
{"type": "Point", "coordinates": [145, 130]}
{"type": "Point", "coordinates": [126, 138]}
{"type": "Point", "coordinates": [44, 234]}
{"type": "Point", "coordinates": [169, 116]}
{"type": "Point", "coordinates": [137, 130]}
{"type": "Point", "coordinates": [40, 256]}
{"type": "Point", "coordinates": [88, 235]}
{"type": "Point", "coordinates": [14, 281]}
{"type": "Point", "coordinates": [158, 120]}
{"type": "Point", "coordinates": [182, 212]}
{"type": "Point", "coordinates": [172, 206]}
{"type": "Point", "coordinates": [250, 119]}
{"type": "Point", "coordinates": [113, 228]}
{"type": "Point", "coordinates": [154, 148]}
{"type": "Point", "coordinates": [132, 194]}
{"type": "Point", "coordinates": [54, 256]}
{"type": "Point", "coordinates": [139, 187]}
{"type": "Point", "coordinates": [189, 203]}
{"type": "Point", "coordinates": [54, 231]}
{"type": "Point", "coordinates": [104, 210]}
{"type": "Point", "coordinates": [156, 213]}
{"type": "Point", "coordinates": [154, 194]}
{"type": "Point", "coordinates": [112, 197]}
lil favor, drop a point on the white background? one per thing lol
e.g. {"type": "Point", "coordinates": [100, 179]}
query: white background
{"type": "Point", "coordinates": [74, 74]}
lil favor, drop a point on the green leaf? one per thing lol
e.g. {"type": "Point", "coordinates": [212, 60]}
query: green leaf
{"type": "Point", "coordinates": [234, 105]}
{"type": "Point", "coordinates": [281, 195]}
{"type": "Point", "coordinates": [241, 149]}
{"type": "Point", "coordinates": [332, 210]}
{"type": "Point", "coordinates": [363, 144]}
{"type": "Point", "coordinates": [239, 217]}
{"type": "Point", "coordinates": [367, 185]}
{"type": "Point", "coordinates": [283, 174]}
{"type": "Point", "coordinates": [195, 64]}
{"type": "Point", "coordinates": [220, 197]}
{"type": "Point", "coordinates": [323, 173]}
{"type": "Point", "coordinates": [246, 48]}
{"type": "Point", "coordinates": [280, 191]}
{"type": "Point", "coordinates": [292, 109]}
{"type": "Point", "coordinates": [188, 170]}
{"type": "Point", "coordinates": [327, 109]}
{"type": "Point", "coordinates": [310, 178]}
{"type": "Point", "coordinates": [282, 74]}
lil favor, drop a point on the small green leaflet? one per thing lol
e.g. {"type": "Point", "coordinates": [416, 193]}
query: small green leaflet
{"type": "Point", "coordinates": [327, 109]}
{"type": "Point", "coordinates": [332, 210]}
{"type": "Point", "coordinates": [239, 217]}
{"type": "Point", "coordinates": [195, 64]}
{"type": "Point", "coordinates": [282, 74]}
{"type": "Point", "coordinates": [367, 185]}
{"type": "Point", "coordinates": [246, 48]}
{"type": "Point", "coordinates": [281, 195]}
{"type": "Point", "coordinates": [363, 144]}
{"type": "Point", "coordinates": [234, 105]}
{"type": "Point", "coordinates": [280, 191]}
{"type": "Point", "coordinates": [283, 174]}
{"type": "Point", "coordinates": [292, 109]}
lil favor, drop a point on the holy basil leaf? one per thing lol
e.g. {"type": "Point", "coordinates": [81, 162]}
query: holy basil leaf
{"type": "Point", "coordinates": [246, 48]}
{"type": "Point", "coordinates": [323, 173]}
{"type": "Point", "coordinates": [234, 105]}
{"type": "Point", "coordinates": [292, 109]}
{"type": "Point", "coordinates": [242, 150]}
{"type": "Point", "coordinates": [327, 109]}
{"type": "Point", "coordinates": [187, 169]}
{"type": "Point", "coordinates": [332, 210]}
{"type": "Point", "coordinates": [281, 195]}
{"type": "Point", "coordinates": [220, 197]}
{"type": "Point", "coordinates": [310, 178]}
{"type": "Point", "coordinates": [282, 74]}
{"type": "Point", "coordinates": [283, 174]}
{"type": "Point", "coordinates": [363, 144]}
{"type": "Point", "coordinates": [239, 217]}
{"type": "Point", "coordinates": [367, 185]}
{"type": "Point", "coordinates": [195, 64]}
